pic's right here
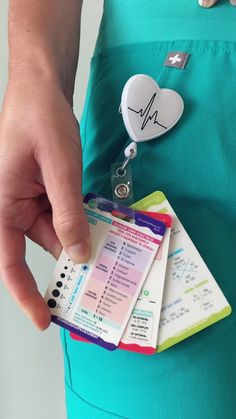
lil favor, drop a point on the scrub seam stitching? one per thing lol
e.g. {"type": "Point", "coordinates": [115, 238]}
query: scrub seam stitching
{"type": "Point", "coordinates": [106, 412]}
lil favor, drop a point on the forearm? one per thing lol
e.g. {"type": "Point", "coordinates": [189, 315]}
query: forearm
{"type": "Point", "coordinates": [44, 41]}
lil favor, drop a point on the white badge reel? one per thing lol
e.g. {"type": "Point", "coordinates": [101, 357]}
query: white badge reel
{"type": "Point", "coordinates": [148, 112]}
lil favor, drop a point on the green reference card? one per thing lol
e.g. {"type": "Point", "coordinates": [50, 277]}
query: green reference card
{"type": "Point", "coordinates": [192, 299]}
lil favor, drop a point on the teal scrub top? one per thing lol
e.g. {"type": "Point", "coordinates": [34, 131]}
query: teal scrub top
{"type": "Point", "coordinates": [194, 164]}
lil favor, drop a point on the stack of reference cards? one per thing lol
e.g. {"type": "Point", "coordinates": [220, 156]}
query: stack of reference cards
{"type": "Point", "coordinates": [145, 286]}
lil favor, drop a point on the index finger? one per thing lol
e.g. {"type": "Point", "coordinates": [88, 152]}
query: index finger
{"type": "Point", "coordinates": [19, 280]}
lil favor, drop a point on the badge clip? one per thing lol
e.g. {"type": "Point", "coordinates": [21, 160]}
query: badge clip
{"type": "Point", "coordinates": [121, 177]}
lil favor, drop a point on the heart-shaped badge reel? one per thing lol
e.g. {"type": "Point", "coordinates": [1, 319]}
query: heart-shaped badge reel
{"type": "Point", "coordinates": [147, 110]}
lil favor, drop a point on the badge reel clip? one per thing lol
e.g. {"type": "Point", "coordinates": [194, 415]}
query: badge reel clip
{"type": "Point", "coordinates": [121, 177]}
{"type": "Point", "coordinates": [148, 112]}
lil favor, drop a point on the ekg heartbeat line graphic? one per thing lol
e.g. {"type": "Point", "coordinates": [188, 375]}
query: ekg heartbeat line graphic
{"type": "Point", "coordinates": [146, 114]}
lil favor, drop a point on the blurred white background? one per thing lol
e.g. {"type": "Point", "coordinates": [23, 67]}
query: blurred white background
{"type": "Point", "coordinates": [31, 364]}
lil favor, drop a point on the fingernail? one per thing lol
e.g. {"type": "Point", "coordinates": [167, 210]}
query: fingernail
{"type": "Point", "coordinates": [206, 3]}
{"type": "Point", "coordinates": [79, 253]}
{"type": "Point", "coordinates": [233, 2]}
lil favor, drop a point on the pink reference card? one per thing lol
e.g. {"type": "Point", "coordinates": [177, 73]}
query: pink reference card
{"type": "Point", "coordinates": [141, 331]}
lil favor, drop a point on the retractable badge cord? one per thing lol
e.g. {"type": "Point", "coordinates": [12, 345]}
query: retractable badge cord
{"type": "Point", "coordinates": [148, 112]}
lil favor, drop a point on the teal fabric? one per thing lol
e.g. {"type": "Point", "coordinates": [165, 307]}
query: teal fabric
{"type": "Point", "coordinates": [194, 164]}
{"type": "Point", "coordinates": [134, 21]}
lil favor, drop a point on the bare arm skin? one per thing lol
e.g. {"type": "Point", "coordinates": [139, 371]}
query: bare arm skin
{"type": "Point", "coordinates": [40, 155]}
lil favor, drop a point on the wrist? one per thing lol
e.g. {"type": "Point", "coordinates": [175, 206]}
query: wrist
{"type": "Point", "coordinates": [35, 65]}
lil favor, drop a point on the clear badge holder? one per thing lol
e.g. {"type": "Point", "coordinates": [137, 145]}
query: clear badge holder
{"type": "Point", "coordinates": [121, 177]}
{"type": "Point", "coordinates": [122, 184]}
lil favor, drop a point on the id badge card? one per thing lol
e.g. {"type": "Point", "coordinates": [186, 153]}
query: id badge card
{"type": "Point", "coordinates": [95, 300]}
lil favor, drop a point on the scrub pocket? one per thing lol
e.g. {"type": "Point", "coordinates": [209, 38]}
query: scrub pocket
{"type": "Point", "coordinates": [194, 164]}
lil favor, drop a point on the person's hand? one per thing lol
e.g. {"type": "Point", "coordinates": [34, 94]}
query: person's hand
{"type": "Point", "coordinates": [40, 187]}
{"type": "Point", "coordinates": [210, 3]}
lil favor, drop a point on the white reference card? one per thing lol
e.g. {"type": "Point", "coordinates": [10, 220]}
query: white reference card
{"type": "Point", "coordinates": [141, 332]}
{"type": "Point", "coordinates": [95, 300]}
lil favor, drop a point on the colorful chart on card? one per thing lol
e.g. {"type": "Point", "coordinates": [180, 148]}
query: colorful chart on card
{"type": "Point", "coordinates": [192, 299]}
{"type": "Point", "coordinates": [96, 299]}
{"type": "Point", "coordinates": [141, 331]}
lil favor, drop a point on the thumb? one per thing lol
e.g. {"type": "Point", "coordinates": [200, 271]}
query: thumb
{"type": "Point", "coordinates": [63, 185]}
{"type": "Point", "coordinates": [207, 3]}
